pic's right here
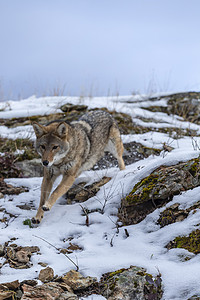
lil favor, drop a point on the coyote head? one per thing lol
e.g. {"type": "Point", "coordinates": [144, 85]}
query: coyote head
{"type": "Point", "coordinates": [51, 142]}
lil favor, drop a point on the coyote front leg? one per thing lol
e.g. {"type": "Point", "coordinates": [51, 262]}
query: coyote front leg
{"type": "Point", "coordinates": [61, 189]}
{"type": "Point", "coordinates": [46, 188]}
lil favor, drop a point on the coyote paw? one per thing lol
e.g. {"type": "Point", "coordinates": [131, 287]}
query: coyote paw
{"type": "Point", "coordinates": [35, 221]}
{"type": "Point", "coordinates": [45, 208]}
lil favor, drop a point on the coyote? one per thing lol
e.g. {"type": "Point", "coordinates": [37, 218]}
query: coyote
{"type": "Point", "coordinates": [68, 149]}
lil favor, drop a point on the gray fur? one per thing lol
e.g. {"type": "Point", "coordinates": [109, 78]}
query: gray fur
{"type": "Point", "coordinates": [70, 149]}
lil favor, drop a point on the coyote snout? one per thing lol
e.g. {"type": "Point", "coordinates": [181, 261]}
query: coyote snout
{"type": "Point", "coordinates": [68, 149]}
{"type": "Point", "coordinates": [45, 163]}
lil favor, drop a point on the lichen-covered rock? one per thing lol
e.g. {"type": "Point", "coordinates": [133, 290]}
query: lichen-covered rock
{"type": "Point", "coordinates": [157, 189]}
{"type": "Point", "coordinates": [133, 283]}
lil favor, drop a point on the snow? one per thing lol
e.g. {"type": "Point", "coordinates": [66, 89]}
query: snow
{"type": "Point", "coordinates": [146, 244]}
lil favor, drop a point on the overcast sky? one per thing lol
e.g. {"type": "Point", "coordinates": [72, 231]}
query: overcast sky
{"type": "Point", "coordinates": [98, 47]}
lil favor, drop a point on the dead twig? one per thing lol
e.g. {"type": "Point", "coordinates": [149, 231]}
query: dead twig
{"type": "Point", "coordinates": [77, 267]}
{"type": "Point", "coordinates": [86, 215]}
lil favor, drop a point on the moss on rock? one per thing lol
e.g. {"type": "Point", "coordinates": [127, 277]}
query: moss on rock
{"type": "Point", "coordinates": [157, 189]}
{"type": "Point", "coordinates": [190, 242]}
{"type": "Point", "coordinates": [145, 187]}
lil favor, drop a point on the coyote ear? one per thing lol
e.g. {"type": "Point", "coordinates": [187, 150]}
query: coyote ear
{"type": "Point", "coordinates": [39, 129]}
{"type": "Point", "coordinates": [62, 129]}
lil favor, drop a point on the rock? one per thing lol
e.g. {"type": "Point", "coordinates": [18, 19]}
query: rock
{"type": "Point", "coordinates": [31, 168]}
{"type": "Point", "coordinates": [10, 285]}
{"type": "Point", "coordinates": [11, 253]}
{"type": "Point", "coordinates": [43, 264]}
{"type": "Point", "coordinates": [23, 256]}
{"type": "Point", "coordinates": [48, 291]}
{"type": "Point", "coordinates": [26, 206]}
{"type": "Point", "coordinates": [68, 296]}
{"type": "Point", "coordinates": [7, 294]}
{"type": "Point", "coordinates": [22, 121]}
{"type": "Point", "coordinates": [1, 195]}
{"type": "Point", "coordinates": [185, 105]}
{"type": "Point", "coordinates": [31, 282]}
{"type": "Point", "coordinates": [190, 242]}
{"type": "Point", "coordinates": [128, 284]}
{"type": "Point", "coordinates": [65, 287]}
{"type": "Point", "coordinates": [11, 190]}
{"type": "Point", "coordinates": [8, 167]}
{"type": "Point", "coordinates": [74, 247]}
{"type": "Point", "coordinates": [82, 192]}
{"type": "Point", "coordinates": [157, 189]}
{"type": "Point", "coordinates": [46, 274]}
{"type": "Point", "coordinates": [132, 152]}
{"type": "Point", "coordinates": [68, 107]}
{"type": "Point", "coordinates": [1, 250]}
{"type": "Point", "coordinates": [173, 214]}
{"type": "Point", "coordinates": [70, 248]}
{"type": "Point", "coordinates": [8, 290]}
{"type": "Point", "coordinates": [19, 257]}
{"type": "Point", "coordinates": [77, 281]}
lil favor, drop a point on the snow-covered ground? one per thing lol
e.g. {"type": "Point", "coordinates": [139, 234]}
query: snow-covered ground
{"type": "Point", "coordinates": [145, 246]}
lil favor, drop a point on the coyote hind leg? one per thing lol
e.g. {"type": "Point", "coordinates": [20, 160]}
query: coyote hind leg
{"type": "Point", "coordinates": [115, 146]}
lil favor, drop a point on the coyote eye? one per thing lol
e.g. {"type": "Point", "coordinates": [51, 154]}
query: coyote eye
{"type": "Point", "coordinates": [55, 147]}
{"type": "Point", "coordinates": [43, 147]}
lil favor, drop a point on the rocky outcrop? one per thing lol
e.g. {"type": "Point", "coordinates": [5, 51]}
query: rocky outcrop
{"type": "Point", "coordinates": [157, 189]}
{"type": "Point", "coordinates": [185, 105]}
{"type": "Point", "coordinates": [19, 257]}
{"type": "Point", "coordinates": [133, 283]}
{"type": "Point", "coordinates": [124, 284]}
{"type": "Point", "coordinates": [67, 287]}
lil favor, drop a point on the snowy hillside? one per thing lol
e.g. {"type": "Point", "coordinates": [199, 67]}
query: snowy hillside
{"type": "Point", "coordinates": [103, 245]}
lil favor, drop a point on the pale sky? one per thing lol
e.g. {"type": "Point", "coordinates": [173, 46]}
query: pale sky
{"type": "Point", "coordinates": [103, 47]}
